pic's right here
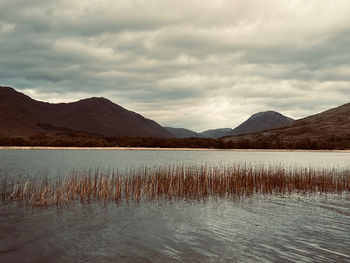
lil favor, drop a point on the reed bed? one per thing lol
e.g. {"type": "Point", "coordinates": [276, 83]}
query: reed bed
{"type": "Point", "coordinates": [171, 183]}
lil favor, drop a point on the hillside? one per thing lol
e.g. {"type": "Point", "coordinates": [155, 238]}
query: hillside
{"type": "Point", "coordinates": [261, 121]}
{"type": "Point", "coordinates": [22, 116]}
{"type": "Point", "coordinates": [215, 133]}
{"type": "Point", "coordinates": [328, 129]}
{"type": "Point", "coordinates": [182, 132]}
{"type": "Point", "coordinates": [186, 133]}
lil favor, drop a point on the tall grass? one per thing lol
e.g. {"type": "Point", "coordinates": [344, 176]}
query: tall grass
{"type": "Point", "coordinates": [171, 183]}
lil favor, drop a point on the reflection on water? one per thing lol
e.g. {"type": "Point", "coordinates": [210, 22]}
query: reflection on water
{"type": "Point", "coordinates": [259, 229]}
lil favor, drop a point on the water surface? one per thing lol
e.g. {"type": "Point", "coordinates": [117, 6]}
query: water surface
{"type": "Point", "coordinates": [56, 162]}
{"type": "Point", "coordinates": [313, 228]}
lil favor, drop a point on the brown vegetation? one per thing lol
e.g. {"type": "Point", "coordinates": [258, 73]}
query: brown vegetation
{"type": "Point", "coordinates": [171, 183]}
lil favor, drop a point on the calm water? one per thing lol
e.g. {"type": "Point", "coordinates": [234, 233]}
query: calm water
{"type": "Point", "coordinates": [259, 229]}
{"type": "Point", "coordinates": [54, 162]}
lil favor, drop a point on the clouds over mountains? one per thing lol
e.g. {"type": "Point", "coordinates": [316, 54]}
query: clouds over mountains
{"type": "Point", "coordinates": [189, 64]}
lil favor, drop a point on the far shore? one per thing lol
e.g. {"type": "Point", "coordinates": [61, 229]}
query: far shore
{"type": "Point", "coordinates": [161, 149]}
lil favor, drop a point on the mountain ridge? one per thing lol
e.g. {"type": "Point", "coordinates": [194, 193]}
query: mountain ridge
{"type": "Point", "coordinates": [259, 121]}
{"type": "Point", "coordinates": [20, 116]}
{"type": "Point", "coordinates": [25, 121]}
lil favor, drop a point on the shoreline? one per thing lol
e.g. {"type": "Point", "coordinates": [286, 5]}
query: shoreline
{"type": "Point", "coordinates": [161, 149]}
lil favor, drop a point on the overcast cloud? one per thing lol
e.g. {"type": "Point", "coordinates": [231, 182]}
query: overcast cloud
{"type": "Point", "coordinates": [193, 64]}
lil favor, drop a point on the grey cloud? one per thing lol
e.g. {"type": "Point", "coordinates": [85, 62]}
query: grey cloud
{"type": "Point", "coordinates": [181, 63]}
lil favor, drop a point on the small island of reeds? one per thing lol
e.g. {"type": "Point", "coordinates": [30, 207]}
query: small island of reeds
{"type": "Point", "coordinates": [187, 182]}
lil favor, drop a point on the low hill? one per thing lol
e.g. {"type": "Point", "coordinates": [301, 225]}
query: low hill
{"type": "Point", "coordinates": [182, 132]}
{"type": "Point", "coordinates": [215, 133]}
{"type": "Point", "coordinates": [327, 130]}
{"type": "Point", "coordinates": [186, 133]}
{"type": "Point", "coordinates": [261, 121]}
{"type": "Point", "coordinates": [22, 116]}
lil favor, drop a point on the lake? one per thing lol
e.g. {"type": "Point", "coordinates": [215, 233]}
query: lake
{"type": "Point", "coordinates": [295, 228]}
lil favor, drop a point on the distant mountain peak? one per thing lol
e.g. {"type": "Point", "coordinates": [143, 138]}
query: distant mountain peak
{"type": "Point", "coordinates": [261, 121]}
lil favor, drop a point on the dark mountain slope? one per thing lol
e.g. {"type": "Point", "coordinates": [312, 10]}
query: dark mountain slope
{"type": "Point", "coordinates": [22, 116]}
{"type": "Point", "coordinates": [182, 132]}
{"type": "Point", "coordinates": [261, 121]}
{"type": "Point", "coordinates": [185, 133]}
{"type": "Point", "coordinates": [215, 133]}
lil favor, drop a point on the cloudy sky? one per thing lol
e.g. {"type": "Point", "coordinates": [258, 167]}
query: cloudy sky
{"type": "Point", "coordinates": [193, 64]}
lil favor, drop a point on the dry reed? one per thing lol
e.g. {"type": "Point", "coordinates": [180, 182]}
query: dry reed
{"type": "Point", "coordinates": [171, 183]}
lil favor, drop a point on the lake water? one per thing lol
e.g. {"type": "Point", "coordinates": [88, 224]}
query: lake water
{"type": "Point", "coordinates": [54, 162]}
{"type": "Point", "coordinates": [313, 228]}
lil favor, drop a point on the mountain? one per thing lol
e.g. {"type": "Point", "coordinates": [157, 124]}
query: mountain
{"type": "Point", "coordinates": [216, 133]}
{"type": "Point", "coordinates": [261, 121]}
{"type": "Point", "coordinates": [257, 122]}
{"type": "Point", "coordinates": [328, 129]}
{"type": "Point", "coordinates": [181, 132]}
{"type": "Point", "coordinates": [186, 133]}
{"type": "Point", "coordinates": [22, 116]}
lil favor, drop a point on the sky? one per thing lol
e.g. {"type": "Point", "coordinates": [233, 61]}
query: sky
{"type": "Point", "coordinates": [192, 64]}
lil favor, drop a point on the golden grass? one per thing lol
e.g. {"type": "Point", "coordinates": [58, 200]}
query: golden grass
{"type": "Point", "coordinates": [171, 183]}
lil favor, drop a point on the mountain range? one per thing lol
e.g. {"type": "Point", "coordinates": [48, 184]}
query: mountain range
{"type": "Point", "coordinates": [257, 122]}
{"type": "Point", "coordinates": [23, 117]}
{"type": "Point", "coordinates": [325, 130]}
